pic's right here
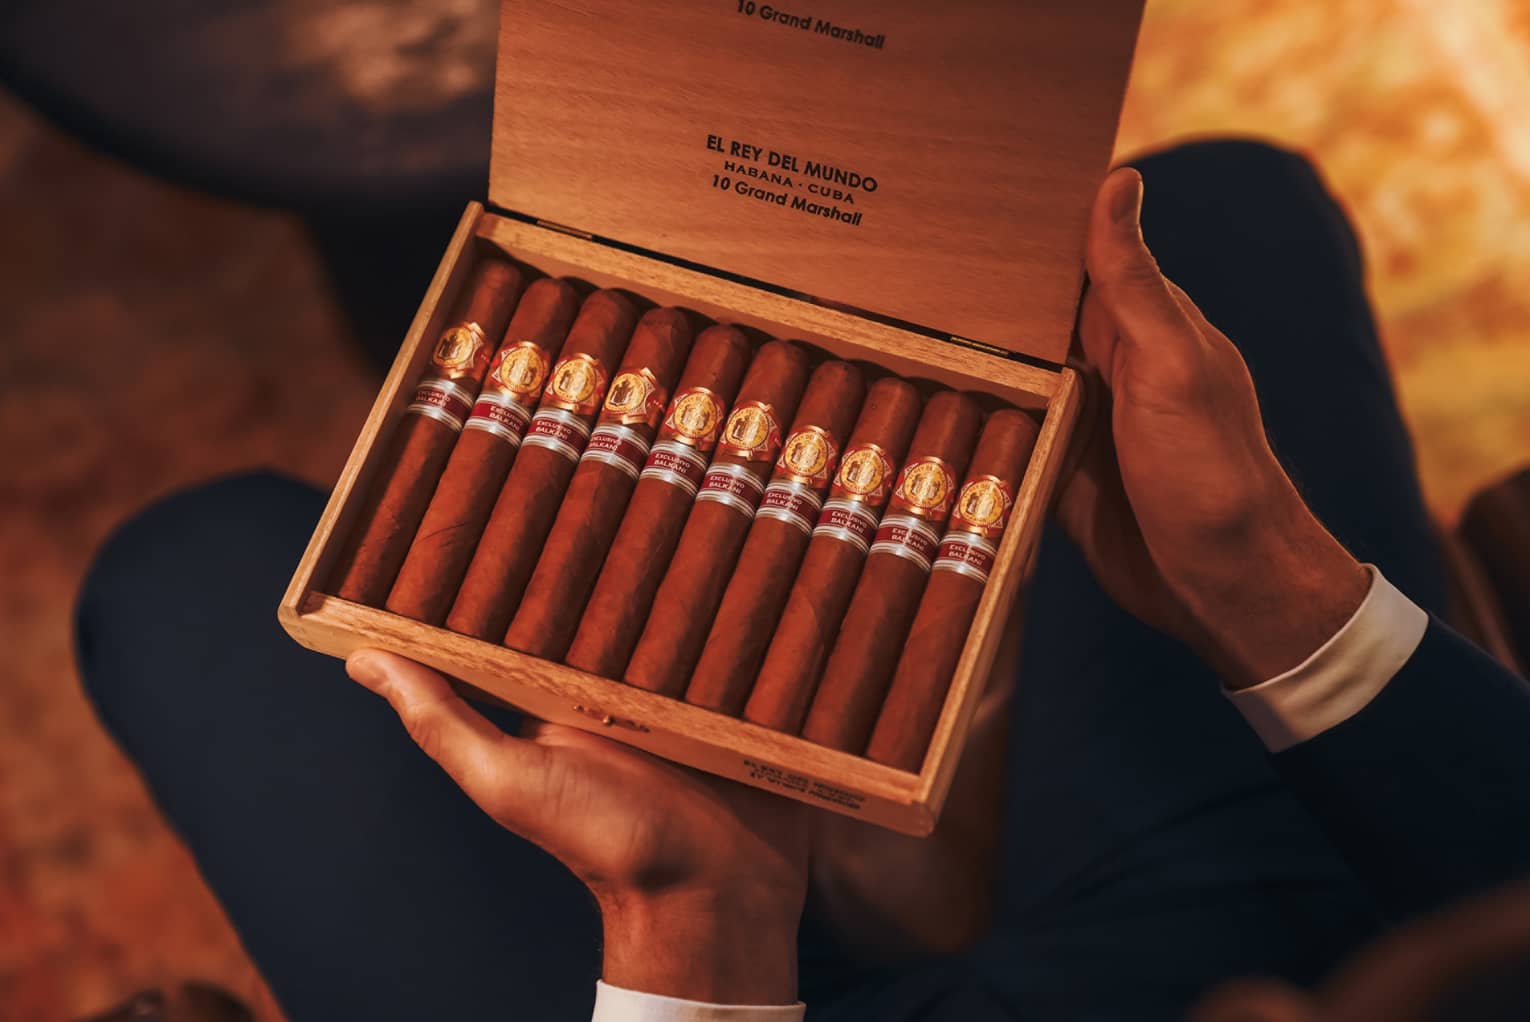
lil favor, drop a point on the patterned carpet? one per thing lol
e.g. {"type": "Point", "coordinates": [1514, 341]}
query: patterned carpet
{"type": "Point", "coordinates": [122, 298]}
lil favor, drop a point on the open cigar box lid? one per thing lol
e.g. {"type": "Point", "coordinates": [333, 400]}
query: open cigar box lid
{"type": "Point", "coordinates": [928, 163]}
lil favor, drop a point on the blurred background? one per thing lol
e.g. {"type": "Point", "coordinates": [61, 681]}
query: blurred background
{"type": "Point", "coordinates": [205, 299]}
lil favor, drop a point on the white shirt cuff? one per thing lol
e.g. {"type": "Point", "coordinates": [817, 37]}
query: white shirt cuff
{"type": "Point", "coordinates": [617, 1004]}
{"type": "Point", "coordinates": [1343, 676]}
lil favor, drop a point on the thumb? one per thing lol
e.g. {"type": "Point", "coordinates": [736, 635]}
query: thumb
{"type": "Point", "coordinates": [1130, 307]}
{"type": "Point", "coordinates": [505, 776]}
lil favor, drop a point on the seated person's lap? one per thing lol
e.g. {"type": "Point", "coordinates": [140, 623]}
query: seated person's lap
{"type": "Point", "coordinates": [1150, 848]}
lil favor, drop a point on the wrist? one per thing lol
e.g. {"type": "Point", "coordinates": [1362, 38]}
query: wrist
{"type": "Point", "coordinates": [1272, 590]}
{"type": "Point", "coordinates": [702, 946]}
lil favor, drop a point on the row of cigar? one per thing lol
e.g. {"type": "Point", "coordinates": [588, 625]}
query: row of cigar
{"type": "Point", "coordinates": [690, 515]}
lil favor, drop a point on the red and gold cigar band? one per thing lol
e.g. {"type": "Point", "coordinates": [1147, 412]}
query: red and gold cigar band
{"type": "Point", "coordinates": [919, 506]}
{"type": "Point", "coordinates": [908, 537]}
{"type": "Point", "coordinates": [925, 488]}
{"type": "Point", "coordinates": [577, 384]}
{"type": "Point", "coordinates": [559, 431]}
{"type": "Point", "coordinates": [752, 432]}
{"type": "Point", "coordinates": [635, 399]}
{"type": "Point", "coordinates": [510, 392]}
{"type": "Point", "coordinates": [733, 486]}
{"type": "Point", "coordinates": [685, 439]}
{"type": "Point", "coordinates": [978, 520]}
{"type": "Point", "coordinates": [574, 391]}
{"type": "Point", "coordinates": [855, 501]}
{"type": "Point", "coordinates": [694, 417]}
{"type": "Point", "coordinates": [795, 493]}
{"type": "Point", "coordinates": [460, 355]}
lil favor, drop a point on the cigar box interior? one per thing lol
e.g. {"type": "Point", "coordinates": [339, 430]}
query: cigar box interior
{"type": "Point", "coordinates": [902, 185]}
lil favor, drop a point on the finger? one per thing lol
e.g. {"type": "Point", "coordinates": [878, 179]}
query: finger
{"type": "Point", "coordinates": [1125, 277]}
{"type": "Point", "coordinates": [1097, 335]}
{"type": "Point", "coordinates": [502, 774]}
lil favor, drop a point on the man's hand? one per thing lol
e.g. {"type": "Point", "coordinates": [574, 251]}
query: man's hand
{"type": "Point", "coordinates": [1182, 510]}
{"type": "Point", "coordinates": [700, 881]}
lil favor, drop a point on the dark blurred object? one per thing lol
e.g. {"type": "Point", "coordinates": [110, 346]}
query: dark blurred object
{"type": "Point", "coordinates": [1468, 964]}
{"type": "Point", "coordinates": [192, 1002]}
{"type": "Point", "coordinates": [368, 118]}
{"type": "Point", "coordinates": [1495, 530]}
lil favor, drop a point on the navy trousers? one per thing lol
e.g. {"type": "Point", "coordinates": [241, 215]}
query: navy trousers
{"type": "Point", "coordinates": [1150, 849]}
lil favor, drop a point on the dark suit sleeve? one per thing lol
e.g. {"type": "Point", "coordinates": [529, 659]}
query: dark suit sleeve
{"type": "Point", "coordinates": [1426, 791]}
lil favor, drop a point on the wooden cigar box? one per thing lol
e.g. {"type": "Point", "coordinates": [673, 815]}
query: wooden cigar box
{"type": "Point", "coordinates": [904, 184]}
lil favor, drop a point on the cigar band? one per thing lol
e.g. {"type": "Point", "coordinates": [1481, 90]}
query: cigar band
{"type": "Point", "coordinates": [558, 430]}
{"type": "Point", "coordinates": [982, 507]}
{"type": "Point", "coordinates": [461, 353]}
{"type": "Point", "coordinates": [925, 488]}
{"type": "Point", "coordinates": [444, 400]}
{"type": "Point", "coordinates": [635, 397]}
{"type": "Point", "coordinates": [500, 414]}
{"type": "Point", "coordinates": [510, 391]}
{"type": "Point", "coordinates": [907, 536]}
{"type": "Point", "coordinates": [865, 474]}
{"type": "Point", "coordinates": [966, 553]}
{"type": "Point", "coordinates": [808, 456]}
{"type": "Point", "coordinates": [792, 502]}
{"type": "Point", "coordinates": [695, 415]}
{"type": "Point", "coordinates": [519, 370]}
{"type": "Point", "coordinates": [677, 464]}
{"type": "Point", "coordinates": [576, 384]}
{"type": "Point", "coordinates": [732, 485]}
{"type": "Point", "coordinates": [849, 521]}
{"type": "Point", "coordinates": [619, 446]}
{"type": "Point", "coordinates": [752, 432]}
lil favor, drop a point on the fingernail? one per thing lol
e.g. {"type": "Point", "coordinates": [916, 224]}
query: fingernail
{"type": "Point", "coordinates": [1126, 204]}
{"type": "Point", "coordinates": [364, 669]}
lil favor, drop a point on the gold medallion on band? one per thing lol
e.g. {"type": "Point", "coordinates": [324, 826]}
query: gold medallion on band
{"type": "Point", "coordinates": [925, 489]}
{"type": "Point", "coordinates": [752, 432]}
{"type": "Point", "coordinates": [576, 384]}
{"type": "Point", "coordinates": [695, 416]}
{"type": "Point", "coordinates": [636, 398]}
{"type": "Point", "coordinates": [461, 352]}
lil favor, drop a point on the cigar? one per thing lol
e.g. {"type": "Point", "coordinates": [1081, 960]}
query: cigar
{"type": "Point", "coordinates": [524, 509]}
{"type": "Point", "coordinates": [897, 567]}
{"type": "Point", "coordinates": [846, 527]}
{"type": "Point", "coordinates": [602, 485]}
{"type": "Point", "coordinates": [646, 538]}
{"type": "Point", "coordinates": [429, 427]}
{"type": "Point", "coordinates": [783, 525]}
{"type": "Point", "coordinates": [714, 530]}
{"type": "Point", "coordinates": [939, 632]}
{"type": "Point", "coordinates": [444, 542]}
